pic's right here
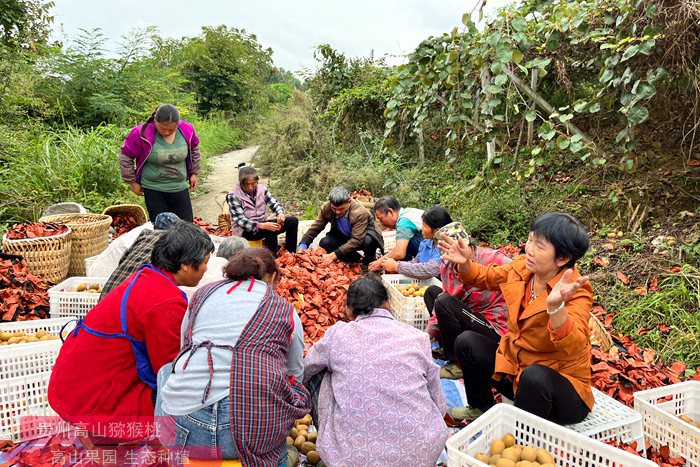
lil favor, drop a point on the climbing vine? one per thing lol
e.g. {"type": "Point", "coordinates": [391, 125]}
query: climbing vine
{"type": "Point", "coordinates": [595, 58]}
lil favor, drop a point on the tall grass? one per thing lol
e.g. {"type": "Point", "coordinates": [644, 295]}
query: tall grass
{"type": "Point", "coordinates": [41, 166]}
{"type": "Point", "coordinates": [217, 135]}
{"type": "Point", "coordinates": [63, 165]}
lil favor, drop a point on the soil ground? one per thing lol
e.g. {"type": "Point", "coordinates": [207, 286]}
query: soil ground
{"type": "Point", "coordinates": [222, 177]}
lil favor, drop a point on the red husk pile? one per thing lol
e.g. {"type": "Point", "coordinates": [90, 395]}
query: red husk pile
{"type": "Point", "coordinates": [662, 456]}
{"type": "Point", "coordinates": [211, 230]}
{"type": "Point", "coordinates": [123, 223]}
{"type": "Point", "coordinates": [627, 368]}
{"type": "Point", "coordinates": [23, 296]}
{"type": "Point", "coordinates": [316, 288]}
{"type": "Point", "coordinates": [35, 230]}
{"type": "Point", "coordinates": [361, 193]}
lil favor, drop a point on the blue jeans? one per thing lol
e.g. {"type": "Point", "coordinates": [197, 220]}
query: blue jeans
{"type": "Point", "coordinates": [204, 434]}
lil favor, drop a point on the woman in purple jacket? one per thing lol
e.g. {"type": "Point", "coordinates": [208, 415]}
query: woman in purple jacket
{"type": "Point", "coordinates": [160, 160]}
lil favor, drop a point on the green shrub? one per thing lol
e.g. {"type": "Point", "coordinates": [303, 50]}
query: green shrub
{"type": "Point", "coordinates": [65, 165]}
{"type": "Point", "coordinates": [39, 166]}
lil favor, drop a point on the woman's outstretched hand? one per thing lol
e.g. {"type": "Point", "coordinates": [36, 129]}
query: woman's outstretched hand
{"type": "Point", "coordinates": [455, 251]}
{"type": "Point", "coordinates": [564, 289]}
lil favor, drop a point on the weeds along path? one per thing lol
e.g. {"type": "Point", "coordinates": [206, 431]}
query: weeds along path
{"type": "Point", "coordinates": [223, 177]}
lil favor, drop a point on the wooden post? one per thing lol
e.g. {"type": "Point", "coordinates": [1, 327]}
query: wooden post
{"type": "Point", "coordinates": [491, 145]}
{"type": "Point", "coordinates": [531, 125]}
{"type": "Point", "coordinates": [421, 146]}
{"type": "Point", "coordinates": [539, 100]}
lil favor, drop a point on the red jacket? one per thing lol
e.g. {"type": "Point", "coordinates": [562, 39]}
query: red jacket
{"type": "Point", "coordinates": [94, 379]}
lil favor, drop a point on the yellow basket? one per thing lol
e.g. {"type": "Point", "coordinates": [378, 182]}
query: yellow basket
{"type": "Point", "coordinates": [255, 243]}
{"type": "Point", "coordinates": [90, 237]}
{"type": "Point", "coordinates": [48, 257]}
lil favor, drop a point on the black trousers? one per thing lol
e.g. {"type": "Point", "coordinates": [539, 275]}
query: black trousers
{"type": "Point", "coordinates": [159, 201]}
{"type": "Point", "coordinates": [431, 293]}
{"type": "Point", "coordinates": [314, 388]}
{"type": "Point", "coordinates": [269, 238]}
{"type": "Point", "coordinates": [334, 240]}
{"type": "Point", "coordinates": [454, 317]}
{"type": "Point", "coordinates": [541, 391]}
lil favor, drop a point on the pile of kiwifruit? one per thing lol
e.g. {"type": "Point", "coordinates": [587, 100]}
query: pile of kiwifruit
{"type": "Point", "coordinates": [505, 453]}
{"type": "Point", "coordinates": [87, 288]}
{"type": "Point", "coordinates": [7, 338]}
{"type": "Point", "coordinates": [304, 440]}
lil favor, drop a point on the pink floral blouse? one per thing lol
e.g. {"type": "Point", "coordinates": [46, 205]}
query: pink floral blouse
{"type": "Point", "coordinates": [380, 402]}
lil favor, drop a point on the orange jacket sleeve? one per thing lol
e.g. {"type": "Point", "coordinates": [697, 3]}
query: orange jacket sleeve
{"type": "Point", "coordinates": [485, 277]}
{"type": "Point", "coordinates": [578, 308]}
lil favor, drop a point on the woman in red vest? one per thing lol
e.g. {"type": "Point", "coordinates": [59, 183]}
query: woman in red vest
{"type": "Point", "coordinates": [104, 379]}
{"type": "Point", "coordinates": [247, 203]}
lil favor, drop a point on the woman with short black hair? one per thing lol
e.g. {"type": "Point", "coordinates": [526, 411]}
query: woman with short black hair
{"type": "Point", "coordinates": [543, 361]}
{"type": "Point", "coordinates": [380, 400]}
{"type": "Point", "coordinates": [232, 392]}
{"type": "Point", "coordinates": [106, 369]}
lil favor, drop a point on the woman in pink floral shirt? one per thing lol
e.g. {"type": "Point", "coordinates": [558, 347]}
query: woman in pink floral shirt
{"type": "Point", "coordinates": [380, 400]}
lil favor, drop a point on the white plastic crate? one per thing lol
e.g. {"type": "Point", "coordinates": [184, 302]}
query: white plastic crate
{"type": "Point", "coordinates": [389, 240]}
{"type": "Point", "coordinates": [609, 420]}
{"type": "Point", "coordinates": [74, 304]}
{"type": "Point", "coordinates": [660, 408]}
{"type": "Point", "coordinates": [25, 370]}
{"type": "Point", "coordinates": [31, 358]}
{"type": "Point", "coordinates": [568, 448]}
{"type": "Point", "coordinates": [410, 310]}
{"type": "Point", "coordinates": [23, 397]}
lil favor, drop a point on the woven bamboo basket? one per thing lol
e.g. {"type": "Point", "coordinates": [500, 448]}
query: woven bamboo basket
{"type": "Point", "coordinates": [224, 219]}
{"type": "Point", "coordinates": [134, 209]}
{"type": "Point", "coordinates": [48, 257]}
{"type": "Point", "coordinates": [599, 335]}
{"type": "Point", "coordinates": [90, 237]}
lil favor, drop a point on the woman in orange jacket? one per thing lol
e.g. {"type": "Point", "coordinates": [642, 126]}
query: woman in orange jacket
{"type": "Point", "coordinates": [543, 362]}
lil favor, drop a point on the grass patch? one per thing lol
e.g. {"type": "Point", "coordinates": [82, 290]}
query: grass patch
{"type": "Point", "coordinates": [676, 304]}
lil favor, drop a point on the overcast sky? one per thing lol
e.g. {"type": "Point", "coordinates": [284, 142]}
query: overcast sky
{"type": "Point", "coordinates": [291, 29]}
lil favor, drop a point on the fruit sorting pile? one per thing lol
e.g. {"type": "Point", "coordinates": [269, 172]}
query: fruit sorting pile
{"type": "Point", "coordinates": [304, 440]}
{"type": "Point", "coordinates": [35, 230]}
{"type": "Point", "coordinates": [123, 223]}
{"type": "Point", "coordinates": [505, 453]}
{"type": "Point", "coordinates": [22, 294]}
{"type": "Point", "coordinates": [211, 229]}
{"type": "Point", "coordinates": [412, 290]}
{"type": "Point", "coordinates": [316, 288]}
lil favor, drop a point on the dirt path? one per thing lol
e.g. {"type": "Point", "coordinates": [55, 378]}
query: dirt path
{"type": "Point", "coordinates": [222, 177]}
